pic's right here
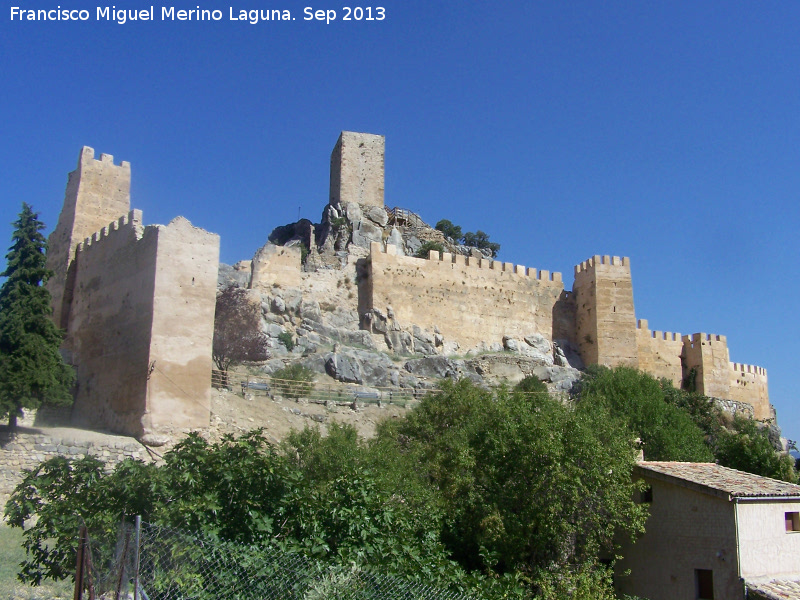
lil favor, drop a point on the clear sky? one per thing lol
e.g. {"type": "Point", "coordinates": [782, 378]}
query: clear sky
{"type": "Point", "coordinates": [665, 131]}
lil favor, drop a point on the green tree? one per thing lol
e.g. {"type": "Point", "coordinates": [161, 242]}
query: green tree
{"type": "Point", "coordinates": [294, 381]}
{"type": "Point", "coordinates": [480, 240]}
{"type": "Point", "coordinates": [449, 229]}
{"type": "Point", "coordinates": [527, 484]}
{"type": "Point", "coordinates": [748, 448]}
{"type": "Point", "coordinates": [427, 247]}
{"type": "Point", "coordinates": [32, 370]}
{"type": "Point", "coordinates": [668, 432]}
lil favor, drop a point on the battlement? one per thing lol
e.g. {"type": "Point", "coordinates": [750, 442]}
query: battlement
{"type": "Point", "coordinates": [704, 338]}
{"type": "Point", "coordinates": [477, 263]}
{"type": "Point", "coordinates": [667, 336]}
{"type": "Point", "coordinates": [87, 155]}
{"type": "Point", "coordinates": [749, 369]}
{"type": "Point", "coordinates": [597, 260]}
{"type": "Point", "coordinates": [131, 221]}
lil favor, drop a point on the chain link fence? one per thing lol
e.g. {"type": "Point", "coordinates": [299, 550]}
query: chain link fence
{"type": "Point", "coordinates": [149, 562]}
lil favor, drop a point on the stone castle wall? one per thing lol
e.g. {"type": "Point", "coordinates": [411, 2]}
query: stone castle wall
{"type": "Point", "coordinates": [606, 325]}
{"type": "Point", "coordinates": [357, 169]}
{"type": "Point", "coordinates": [276, 265]}
{"type": "Point", "coordinates": [141, 326]}
{"type": "Point", "coordinates": [660, 352]}
{"type": "Point", "coordinates": [467, 299]}
{"type": "Point", "coordinates": [98, 192]}
{"type": "Point", "coordinates": [137, 304]}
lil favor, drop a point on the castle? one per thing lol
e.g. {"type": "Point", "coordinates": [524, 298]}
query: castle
{"type": "Point", "coordinates": [137, 302]}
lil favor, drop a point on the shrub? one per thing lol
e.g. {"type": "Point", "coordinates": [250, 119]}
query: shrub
{"type": "Point", "coordinates": [294, 381]}
{"type": "Point", "coordinates": [427, 247]}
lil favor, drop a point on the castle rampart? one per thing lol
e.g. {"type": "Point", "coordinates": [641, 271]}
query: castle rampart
{"type": "Point", "coordinates": [137, 304]}
{"type": "Point", "coordinates": [660, 352]}
{"type": "Point", "coordinates": [606, 325]}
{"type": "Point", "coordinates": [98, 192]}
{"type": "Point", "coordinates": [471, 300]}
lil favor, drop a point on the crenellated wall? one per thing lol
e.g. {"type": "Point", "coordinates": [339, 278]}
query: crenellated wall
{"type": "Point", "coordinates": [749, 384]}
{"type": "Point", "coordinates": [98, 192]}
{"type": "Point", "coordinates": [606, 325]}
{"type": "Point", "coordinates": [472, 300]}
{"type": "Point", "coordinates": [660, 352]}
{"type": "Point", "coordinates": [141, 326]}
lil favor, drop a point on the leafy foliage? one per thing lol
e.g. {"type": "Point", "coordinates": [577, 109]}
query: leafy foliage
{"type": "Point", "coordinates": [294, 381]}
{"type": "Point", "coordinates": [32, 370]}
{"type": "Point", "coordinates": [748, 448]}
{"type": "Point", "coordinates": [425, 249]}
{"type": "Point", "coordinates": [480, 240]}
{"type": "Point", "coordinates": [525, 484]}
{"type": "Point", "coordinates": [449, 229]}
{"type": "Point", "coordinates": [287, 340]}
{"type": "Point", "coordinates": [237, 330]}
{"type": "Point", "coordinates": [531, 385]}
{"type": "Point", "coordinates": [668, 432]}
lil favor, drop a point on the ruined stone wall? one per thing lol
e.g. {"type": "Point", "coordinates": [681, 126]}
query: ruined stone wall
{"type": "Point", "coordinates": [605, 321]}
{"type": "Point", "coordinates": [141, 326]}
{"type": "Point", "coordinates": [474, 301]}
{"type": "Point", "coordinates": [276, 265]}
{"type": "Point", "coordinates": [98, 192]}
{"type": "Point", "coordinates": [660, 352]}
{"type": "Point", "coordinates": [357, 169]}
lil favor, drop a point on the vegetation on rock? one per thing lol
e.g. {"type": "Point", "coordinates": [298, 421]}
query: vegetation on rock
{"type": "Point", "coordinates": [32, 370]}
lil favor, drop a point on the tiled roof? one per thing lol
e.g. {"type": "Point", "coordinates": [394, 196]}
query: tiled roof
{"type": "Point", "coordinates": [777, 589]}
{"type": "Point", "coordinates": [736, 484]}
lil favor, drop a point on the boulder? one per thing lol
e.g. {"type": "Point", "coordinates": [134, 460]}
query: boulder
{"type": "Point", "coordinates": [377, 215]}
{"type": "Point", "coordinates": [343, 368]}
{"type": "Point", "coordinates": [433, 366]}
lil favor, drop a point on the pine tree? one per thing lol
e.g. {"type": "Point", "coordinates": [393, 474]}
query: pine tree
{"type": "Point", "coordinates": [32, 370]}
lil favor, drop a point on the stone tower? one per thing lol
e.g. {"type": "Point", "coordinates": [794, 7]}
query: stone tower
{"type": "Point", "coordinates": [357, 167]}
{"type": "Point", "coordinates": [98, 192]}
{"type": "Point", "coordinates": [606, 325]}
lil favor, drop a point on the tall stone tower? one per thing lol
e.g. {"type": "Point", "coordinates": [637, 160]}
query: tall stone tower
{"type": "Point", "coordinates": [606, 325]}
{"type": "Point", "coordinates": [98, 192]}
{"type": "Point", "coordinates": [357, 169]}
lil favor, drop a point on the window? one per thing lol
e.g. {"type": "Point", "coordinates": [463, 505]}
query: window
{"type": "Point", "coordinates": [792, 521]}
{"type": "Point", "coordinates": [704, 584]}
{"type": "Point", "coordinates": [645, 496]}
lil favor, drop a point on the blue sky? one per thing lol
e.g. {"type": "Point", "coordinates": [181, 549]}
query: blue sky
{"type": "Point", "coordinates": [662, 131]}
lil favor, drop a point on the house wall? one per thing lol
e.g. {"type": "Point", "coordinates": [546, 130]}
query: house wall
{"type": "Point", "coordinates": [474, 301]}
{"type": "Point", "coordinates": [766, 549]}
{"type": "Point", "coordinates": [686, 530]}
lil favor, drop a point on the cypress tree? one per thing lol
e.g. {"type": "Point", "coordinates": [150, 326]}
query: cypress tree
{"type": "Point", "coordinates": [32, 370]}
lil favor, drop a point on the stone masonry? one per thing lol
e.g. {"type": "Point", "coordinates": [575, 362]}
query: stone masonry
{"type": "Point", "coordinates": [137, 305]}
{"type": "Point", "coordinates": [461, 303]}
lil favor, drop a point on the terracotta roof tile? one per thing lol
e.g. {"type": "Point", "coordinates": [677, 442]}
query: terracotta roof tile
{"type": "Point", "coordinates": [777, 589]}
{"type": "Point", "coordinates": [737, 484]}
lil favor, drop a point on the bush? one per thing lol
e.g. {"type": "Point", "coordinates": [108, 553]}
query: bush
{"type": "Point", "coordinates": [294, 381]}
{"type": "Point", "coordinates": [287, 340]}
{"type": "Point", "coordinates": [427, 247]}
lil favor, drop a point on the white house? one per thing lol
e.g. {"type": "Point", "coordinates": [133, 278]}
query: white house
{"type": "Point", "coordinates": [713, 534]}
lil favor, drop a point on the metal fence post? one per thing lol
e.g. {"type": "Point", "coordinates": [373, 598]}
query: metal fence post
{"type": "Point", "coordinates": [137, 540]}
